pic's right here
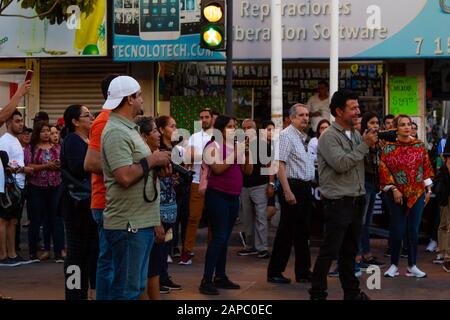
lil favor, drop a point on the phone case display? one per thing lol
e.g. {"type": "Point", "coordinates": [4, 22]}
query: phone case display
{"type": "Point", "coordinates": [186, 109]}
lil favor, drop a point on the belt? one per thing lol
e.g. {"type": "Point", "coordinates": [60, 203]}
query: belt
{"type": "Point", "coordinates": [299, 181]}
{"type": "Point", "coordinates": [349, 199]}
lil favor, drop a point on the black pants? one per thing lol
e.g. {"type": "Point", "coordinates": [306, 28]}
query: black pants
{"type": "Point", "coordinates": [183, 197]}
{"type": "Point", "coordinates": [343, 224]}
{"type": "Point", "coordinates": [294, 229]}
{"type": "Point", "coordinates": [82, 247]}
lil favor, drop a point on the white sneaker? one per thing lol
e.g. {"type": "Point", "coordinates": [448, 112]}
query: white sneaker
{"type": "Point", "coordinates": [432, 246]}
{"type": "Point", "coordinates": [169, 259]}
{"type": "Point", "coordinates": [415, 272]}
{"type": "Point", "coordinates": [392, 272]}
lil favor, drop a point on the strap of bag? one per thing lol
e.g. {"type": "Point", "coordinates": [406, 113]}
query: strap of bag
{"type": "Point", "coordinates": [146, 169]}
{"type": "Point", "coordinates": [77, 183]}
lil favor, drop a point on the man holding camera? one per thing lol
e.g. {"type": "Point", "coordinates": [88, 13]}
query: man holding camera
{"type": "Point", "coordinates": [341, 153]}
{"type": "Point", "coordinates": [129, 216]}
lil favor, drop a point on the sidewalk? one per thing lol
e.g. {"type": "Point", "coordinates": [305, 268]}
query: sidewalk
{"type": "Point", "coordinates": [45, 281]}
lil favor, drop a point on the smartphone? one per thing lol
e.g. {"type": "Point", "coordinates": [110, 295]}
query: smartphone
{"type": "Point", "coordinates": [29, 75]}
{"type": "Point", "coordinates": [159, 19]}
{"type": "Point", "coordinates": [190, 17]}
{"type": "Point", "coordinates": [126, 17]}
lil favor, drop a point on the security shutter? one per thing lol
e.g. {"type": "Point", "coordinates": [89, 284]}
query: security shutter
{"type": "Point", "coordinates": [74, 81]}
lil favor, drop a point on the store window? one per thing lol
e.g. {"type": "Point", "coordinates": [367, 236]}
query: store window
{"type": "Point", "coordinates": [180, 83]}
{"type": "Point", "coordinates": [438, 106]}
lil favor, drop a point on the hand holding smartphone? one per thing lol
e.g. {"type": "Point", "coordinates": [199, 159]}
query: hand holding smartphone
{"type": "Point", "coordinates": [29, 75]}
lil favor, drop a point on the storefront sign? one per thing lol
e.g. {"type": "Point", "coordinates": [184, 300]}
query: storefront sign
{"type": "Point", "coordinates": [368, 29]}
{"type": "Point", "coordinates": [403, 95]}
{"type": "Point", "coordinates": [80, 34]}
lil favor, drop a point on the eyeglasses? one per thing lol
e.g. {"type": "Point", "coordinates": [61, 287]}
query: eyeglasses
{"type": "Point", "coordinates": [87, 115]}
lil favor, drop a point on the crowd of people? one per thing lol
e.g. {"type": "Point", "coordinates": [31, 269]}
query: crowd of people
{"type": "Point", "coordinates": [109, 198]}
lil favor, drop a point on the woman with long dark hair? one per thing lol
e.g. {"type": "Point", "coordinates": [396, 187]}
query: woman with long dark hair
{"type": "Point", "coordinates": [222, 202]}
{"type": "Point", "coordinates": [168, 205]}
{"type": "Point", "coordinates": [370, 121]}
{"type": "Point", "coordinates": [44, 192]}
{"type": "Point", "coordinates": [81, 229]}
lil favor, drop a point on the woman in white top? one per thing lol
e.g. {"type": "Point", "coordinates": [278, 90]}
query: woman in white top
{"type": "Point", "coordinates": [312, 145]}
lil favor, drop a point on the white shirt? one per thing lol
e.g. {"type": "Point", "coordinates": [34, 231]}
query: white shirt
{"type": "Point", "coordinates": [14, 149]}
{"type": "Point", "coordinates": [2, 178]}
{"type": "Point", "coordinates": [198, 141]}
{"type": "Point", "coordinates": [312, 147]}
{"type": "Point", "coordinates": [293, 152]}
{"type": "Point", "coordinates": [315, 104]}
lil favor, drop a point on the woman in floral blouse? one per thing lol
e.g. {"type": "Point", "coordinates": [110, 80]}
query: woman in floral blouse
{"type": "Point", "coordinates": [44, 184]}
{"type": "Point", "coordinates": [405, 175]}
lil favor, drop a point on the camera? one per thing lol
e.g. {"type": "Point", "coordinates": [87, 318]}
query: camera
{"type": "Point", "coordinates": [185, 174]}
{"type": "Point", "coordinates": [388, 135]}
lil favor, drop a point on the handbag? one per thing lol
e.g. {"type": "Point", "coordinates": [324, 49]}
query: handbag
{"type": "Point", "coordinates": [78, 190]}
{"type": "Point", "coordinates": [12, 197]}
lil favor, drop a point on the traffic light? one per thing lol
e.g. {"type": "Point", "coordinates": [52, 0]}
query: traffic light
{"type": "Point", "coordinates": [212, 25]}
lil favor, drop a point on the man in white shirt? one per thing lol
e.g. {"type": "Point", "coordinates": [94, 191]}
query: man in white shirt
{"type": "Point", "coordinates": [197, 143]}
{"type": "Point", "coordinates": [319, 105]}
{"type": "Point", "coordinates": [10, 218]}
{"type": "Point", "coordinates": [5, 114]}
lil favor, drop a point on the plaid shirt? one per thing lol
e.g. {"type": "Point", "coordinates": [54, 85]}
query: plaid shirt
{"type": "Point", "coordinates": [295, 154]}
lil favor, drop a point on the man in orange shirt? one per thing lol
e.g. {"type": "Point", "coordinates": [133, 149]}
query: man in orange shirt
{"type": "Point", "coordinates": [93, 164]}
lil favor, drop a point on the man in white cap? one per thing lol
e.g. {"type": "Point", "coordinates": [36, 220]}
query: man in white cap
{"type": "Point", "coordinates": [132, 197]}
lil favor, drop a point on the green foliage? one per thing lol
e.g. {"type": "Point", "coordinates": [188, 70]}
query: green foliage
{"type": "Point", "coordinates": [59, 14]}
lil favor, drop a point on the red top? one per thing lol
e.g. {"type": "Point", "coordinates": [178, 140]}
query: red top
{"type": "Point", "coordinates": [98, 200]}
{"type": "Point", "coordinates": [43, 178]}
{"type": "Point", "coordinates": [405, 166]}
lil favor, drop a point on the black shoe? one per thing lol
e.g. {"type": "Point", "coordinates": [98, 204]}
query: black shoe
{"type": "Point", "coordinates": [225, 283]}
{"type": "Point", "coordinates": [247, 252]}
{"type": "Point", "coordinates": [170, 284]}
{"type": "Point", "coordinates": [279, 278]}
{"type": "Point", "coordinates": [208, 288]}
{"type": "Point", "coordinates": [360, 296]}
{"type": "Point", "coordinates": [373, 261]}
{"type": "Point", "coordinates": [404, 253]}
{"type": "Point", "coordinates": [176, 253]}
{"type": "Point", "coordinates": [164, 289]}
{"type": "Point", "coordinates": [263, 254]}
{"type": "Point", "coordinates": [317, 295]}
{"type": "Point", "coordinates": [304, 279]}
{"type": "Point", "coordinates": [387, 253]}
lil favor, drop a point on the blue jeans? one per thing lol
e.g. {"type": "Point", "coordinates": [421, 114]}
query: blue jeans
{"type": "Point", "coordinates": [371, 193]}
{"type": "Point", "coordinates": [223, 210]}
{"type": "Point", "coordinates": [401, 221]}
{"type": "Point", "coordinates": [130, 256]}
{"type": "Point", "coordinates": [104, 262]}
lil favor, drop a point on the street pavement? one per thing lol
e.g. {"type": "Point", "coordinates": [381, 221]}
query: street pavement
{"type": "Point", "coordinates": [44, 280]}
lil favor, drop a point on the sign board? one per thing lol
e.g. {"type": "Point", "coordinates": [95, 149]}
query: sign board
{"type": "Point", "coordinates": [404, 95]}
{"type": "Point", "coordinates": [368, 29]}
{"type": "Point", "coordinates": [80, 34]}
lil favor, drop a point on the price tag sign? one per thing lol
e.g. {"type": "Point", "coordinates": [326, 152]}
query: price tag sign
{"type": "Point", "coordinates": [404, 95]}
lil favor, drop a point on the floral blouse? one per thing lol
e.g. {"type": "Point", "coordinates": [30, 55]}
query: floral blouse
{"type": "Point", "coordinates": [407, 167]}
{"type": "Point", "coordinates": [44, 178]}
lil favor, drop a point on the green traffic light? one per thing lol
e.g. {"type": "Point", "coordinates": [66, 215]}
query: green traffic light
{"type": "Point", "coordinates": [212, 37]}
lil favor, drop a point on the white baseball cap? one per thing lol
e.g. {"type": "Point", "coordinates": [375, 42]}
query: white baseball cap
{"type": "Point", "coordinates": [119, 88]}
